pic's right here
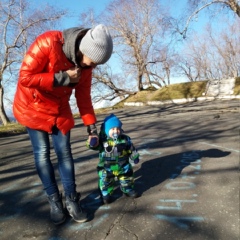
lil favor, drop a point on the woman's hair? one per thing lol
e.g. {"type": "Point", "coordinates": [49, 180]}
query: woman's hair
{"type": "Point", "coordinates": [78, 53]}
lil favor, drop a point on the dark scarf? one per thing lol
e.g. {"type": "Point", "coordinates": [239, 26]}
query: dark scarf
{"type": "Point", "coordinates": [70, 37]}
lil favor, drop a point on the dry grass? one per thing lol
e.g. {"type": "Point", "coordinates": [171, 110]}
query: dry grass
{"type": "Point", "coordinates": [11, 129]}
{"type": "Point", "coordinates": [173, 91]}
{"type": "Point", "coordinates": [237, 86]}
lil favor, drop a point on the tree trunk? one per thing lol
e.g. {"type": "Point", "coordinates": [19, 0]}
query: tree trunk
{"type": "Point", "coordinates": [147, 77]}
{"type": "Point", "coordinates": [3, 115]}
{"type": "Point", "coordinates": [234, 6]}
{"type": "Point", "coordinates": [140, 85]}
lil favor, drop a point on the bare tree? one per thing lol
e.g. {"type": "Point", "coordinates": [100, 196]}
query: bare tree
{"type": "Point", "coordinates": [19, 25]}
{"type": "Point", "coordinates": [164, 61]}
{"type": "Point", "coordinates": [212, 55]}
{"type": "Point", "coordinates": [197, 6]}
{"type": "Point", "coordinates": [187, 68]}
{"type": "Point", "coordinates": [138, 27]}
{"type": "Point", "coordinates": [109, 86]}
{"type": "Point", "coordinates": [227, 49]}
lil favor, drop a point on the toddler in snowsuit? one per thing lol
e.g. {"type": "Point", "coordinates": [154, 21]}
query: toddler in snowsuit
{"type": "Point", "coordinates": [115, 150]}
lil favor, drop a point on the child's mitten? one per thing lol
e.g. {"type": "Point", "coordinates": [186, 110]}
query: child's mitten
{"type": "Point", "coordinates": [136, 160]}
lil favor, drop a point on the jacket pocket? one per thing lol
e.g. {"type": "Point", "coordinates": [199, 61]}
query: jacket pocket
{"type": "Point", "coordinates": [44, 102]}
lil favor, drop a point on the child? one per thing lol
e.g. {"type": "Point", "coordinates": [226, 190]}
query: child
{"type": "Point", "coordinates": [115, 149]}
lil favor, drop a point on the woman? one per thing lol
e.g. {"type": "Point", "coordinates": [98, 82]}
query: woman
{"type": "Point", "coordinates": [55, 64]}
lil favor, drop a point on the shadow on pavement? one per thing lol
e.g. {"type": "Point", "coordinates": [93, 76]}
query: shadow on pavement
{"type": "Point", "coordinates": [154, 172]}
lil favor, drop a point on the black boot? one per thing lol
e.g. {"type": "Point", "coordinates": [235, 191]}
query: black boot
{"type": "Point", "coordinates": [74, 209]}
{"type": "Point", "coordinates": [132, 194]}
{"type": "Point", "coordinates": [106, 199]}
{"type": "Point", "coordinates": [57, 211]}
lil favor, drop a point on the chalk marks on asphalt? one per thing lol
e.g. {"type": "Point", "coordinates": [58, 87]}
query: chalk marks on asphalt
{"type": "Point", "coordinates": [94, 203]}
{"type": "Point", "coordinates": [181, 182]}
{"type": "Point", "coordinates": [178, 182]}
{"type": "Point", "coordinates": [145, 150]}
{"type": "Point", "coordinates": [217, 146]}
{"type": "Point", "coordinates": [193, 139]}
{"type": "Point", "coordinates": [177, 203]}
{"type": "Point", "coordinates": [181, 222]}
{"type": "Point", "coordinates": [16, 208]}
{"type": "Point", "coordinates": [88, 225]}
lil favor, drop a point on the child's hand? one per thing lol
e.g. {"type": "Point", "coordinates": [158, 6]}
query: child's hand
{"type": "Point", "coordinates": [135, 156]}
{"type": "Point", "coordinates": [136, 161]}
{"type": "Point", "coordinates": [93, 140]}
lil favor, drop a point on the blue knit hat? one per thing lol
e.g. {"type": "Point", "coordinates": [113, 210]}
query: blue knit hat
{"type": "Point", "coordinates": [110, 122]}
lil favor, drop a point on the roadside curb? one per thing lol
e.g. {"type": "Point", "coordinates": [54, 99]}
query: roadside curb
{"type": "Point", "coordinates": [183, 100]}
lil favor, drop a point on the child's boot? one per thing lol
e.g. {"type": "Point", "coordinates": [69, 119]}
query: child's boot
{"type": "Point", "coordinates": [132, 193]}
{"type": "Point", "coordinates": [106, 199]}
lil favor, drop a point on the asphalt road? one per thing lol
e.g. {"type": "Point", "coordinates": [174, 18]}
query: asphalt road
{"type": "Point", "coordinates": [188, 178]}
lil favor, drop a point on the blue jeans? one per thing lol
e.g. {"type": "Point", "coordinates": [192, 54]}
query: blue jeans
{"type": "Point", "coordinates": [41, 149]}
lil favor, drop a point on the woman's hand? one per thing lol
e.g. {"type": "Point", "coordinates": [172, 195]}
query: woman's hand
{"type": "Point", "coordinates": [74, 74]}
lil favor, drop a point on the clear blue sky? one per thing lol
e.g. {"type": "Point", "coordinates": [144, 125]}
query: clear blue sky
{"type": "Point", "coordinates": [76, 7]}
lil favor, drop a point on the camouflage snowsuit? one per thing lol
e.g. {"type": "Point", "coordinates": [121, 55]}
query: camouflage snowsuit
{"type": "Point", "coordinates": [114, 156]}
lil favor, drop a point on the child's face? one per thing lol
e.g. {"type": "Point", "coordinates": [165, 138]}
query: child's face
{"type": "Point", "coordinates": [114, 131]}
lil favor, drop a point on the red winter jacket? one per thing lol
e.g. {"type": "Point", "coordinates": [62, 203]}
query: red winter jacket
{"type": "Point", "coordinates": [39, 105]}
